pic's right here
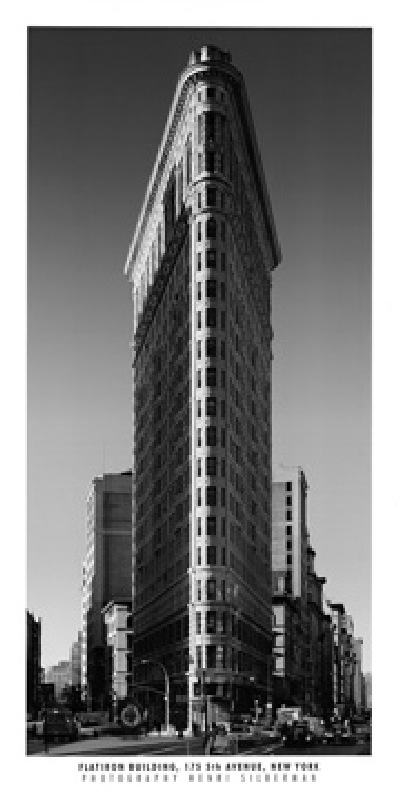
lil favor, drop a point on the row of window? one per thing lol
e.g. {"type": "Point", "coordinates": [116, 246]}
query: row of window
{"type": "Point", "coordinates": [210, 229]}
{"type": "Point", "coordinates": [210, 320]}
{"type": "Point", "coordinates": [210, 198]}
{"type": "Point", "coordinates": [211, 525]}
{"type": "Point", "coordinates": [210, 408]}
{"type": "Point", "coordinates": [210, 378]}
{"type": "Point", "coordinates": [210, 261]}
{"type": "Point", "coordinates": [211, 496]}
{"type": "Point", "coordinates": [213, 557]}
{"type": "Point", "coordinates": [211, 287]}
{"type": "Point", "coordinates": [210, 438]}
{"type": "Point", "coordinates": [210, 467]}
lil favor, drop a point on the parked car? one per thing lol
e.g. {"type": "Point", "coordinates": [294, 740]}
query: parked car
{"type": "Point", "coordinates": [223, 742]}
{"type": "Point", "coordinates": [60, 725]}
{"type": "Point", "coordinates": [297, 735]}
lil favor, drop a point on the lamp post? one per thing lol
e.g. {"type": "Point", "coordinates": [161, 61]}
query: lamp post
{"type": "Point", "coordinates": [167, 687]}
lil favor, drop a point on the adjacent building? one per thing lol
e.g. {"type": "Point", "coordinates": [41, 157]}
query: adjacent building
{"type": "Point", "coordinates": [303, 640]}
{"type": "Point", "coordinates": [289, 583]}
{"type": "Point", "coordinates": [60, 676]}
{"type": "Point", "coordinates": [106, 575]}
{"type": "Point", "coordinates": [33, 663]}
{"type": "Point", "coordinates": [75, 658]}
{"type": "Point", "coordinates": [200, 266]}
{"type": "Point", "coordinates": [118, 624]}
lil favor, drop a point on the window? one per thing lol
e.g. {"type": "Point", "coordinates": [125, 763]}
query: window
{"type": "Point", "coordinates": [211, 656]}
{"type": "Point", "coordinates": [199, 231]}
{"type": "Point", "coordinates": [289, 515]}
{"type": "Point", "coordinates": [223, 562]}
{"type": "Point", "coordinates": [199, 200]}
{"type": "Point", "coordinates": [211, 406]}
{"type": "Point", "coordinates": [223, 320]}
{"type": "Point", "coordinates": [211, 526]}
{"type": "Point", "coordinates": [199, 433]}
{"type": "Point", "coordinates": [223, 530]}
{"type": "Point", "coordinates": [223, 230]}
{"type": "Point", "coordinates": [289, 545]}
{"type": "Point", "coordinates": [211, 317]}
{"type": "Point", "coordinates": [211, 347]}
{"type": "Point", "coordinates": [211, 466]}
{"type": "Point", "coordinates": [199, 591]}
{"type": "Point", "coordinates": [211, 589]}
{"type": "Point", "coordinates": [199, 557]}
{"type": "Point", "coordinates": [198, 622]}
{"type": "Point", "coordinates": [223, 496]}
{"type": "Point", "coordinates": [289, 500]}
{"type": "Point", "coordinates": [199, 320]}
{"type": "Point", "coordinates": [199, 657]}
{"type": "Point", "coordinates": [223, 379]}
{"type": "Point", "coordinates": [199, 496]}
{"type": "Point", "coordinates": [200, 128]}
{"type": "Point", "coordinates": [199, 379]}
{"type": "Point", "coordinates": [199, 527]}
{"type": "Point", "coordinates": [289, 530]}
{"type": "Point", "coordinates": [199, 348]}
{"type": "Point", "coordinates": [222, 291]}
{"type": "Point", "coordinates": [211, 436]}
{"type": "Point", "coordinates": [199, 290]}
{"type": "Point", "coordinates": [209, 161]}
{"type": "Point", "coordinates": [211, 620]}
{"type": "Point", "coordinates": [211, 377]}
{"type": "Point", "coordinates": [211, 555]}
{"type": "Point", "coordinates": [189, 159]}
{"type": "Point", "coordinates": [289, 486]}
{"type": "Point", "coordinates": [211, 288]}
{"type": "Point", "coordinates": [200, 162]}
{"type": "Point", "coordinates": [223, 262]}
{"type": "Point", "coordinates": [211, 93]}
{"type": "Point", "coordinates": [211, 259]}
{"type": "Point", "coordinates": [211, 196]}
{"type": "Point", "coordinates": [288, 559]}
{"type": "Point", "coordinates": [211, 228]}
{"type": "Point", "coordinates": [211, 495]}
{"type": "Point", "coordinates": [199, 262]}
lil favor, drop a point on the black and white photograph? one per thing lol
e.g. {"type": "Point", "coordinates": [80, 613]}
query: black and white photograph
{"type": "Point", "coordinates": [199, 392]}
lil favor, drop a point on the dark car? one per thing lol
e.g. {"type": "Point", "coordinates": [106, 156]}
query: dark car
{"type": "Point", "coordinates": [298, 735]}
{"type": "Point", "coordinates": [60, 725]}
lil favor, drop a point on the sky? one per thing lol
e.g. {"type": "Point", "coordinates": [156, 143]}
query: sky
{"type": "Point", "coordinates": [98, 102]}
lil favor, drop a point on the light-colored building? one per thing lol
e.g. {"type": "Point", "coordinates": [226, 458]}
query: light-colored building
{"type": "Point", "coordinates": [200, 266]}
{"type": "Point", "coordinates": [289, 576]}
{"type": "Point", "coordinates": [75, 658]}
{"type": "Point", "coordinates": [118, 623]}
{"type": "Point", "coordinates": [106, 574]}
{"type": "Point", "coordinates": [61, 676]}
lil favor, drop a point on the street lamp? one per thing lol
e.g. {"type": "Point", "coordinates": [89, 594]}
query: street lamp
{"type": "Point", "coordinates": [167, 686]}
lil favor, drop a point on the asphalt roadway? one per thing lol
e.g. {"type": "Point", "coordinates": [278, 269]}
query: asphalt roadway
{"type": "Point", "coordinates": [172, 746]}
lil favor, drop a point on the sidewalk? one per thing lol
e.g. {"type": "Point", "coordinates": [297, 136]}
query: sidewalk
{"type": "Point", "coordinates": [107, 743]}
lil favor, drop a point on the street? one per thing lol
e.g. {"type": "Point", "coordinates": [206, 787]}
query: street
{"type": "Point", "coordinates": [151, 746]}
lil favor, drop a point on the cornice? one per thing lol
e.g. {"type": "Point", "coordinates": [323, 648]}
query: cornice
{"type": "Point", "coordinates": [188, 78]}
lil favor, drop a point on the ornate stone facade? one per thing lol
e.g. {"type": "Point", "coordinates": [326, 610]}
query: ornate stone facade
{"type": "Point", "coordinates": [200, 267]}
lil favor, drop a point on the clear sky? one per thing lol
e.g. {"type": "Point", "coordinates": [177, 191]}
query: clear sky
{"type": "Point", "coordinates": [98, 101]}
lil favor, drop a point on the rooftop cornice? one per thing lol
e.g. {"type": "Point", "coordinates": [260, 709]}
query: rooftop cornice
{"type": "Point", "coordinates": [190, 76]}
